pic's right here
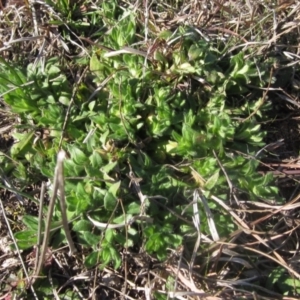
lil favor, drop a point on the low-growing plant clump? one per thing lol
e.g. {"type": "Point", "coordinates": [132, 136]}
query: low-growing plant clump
{"type": "Point", "coordinates": [163, 136]}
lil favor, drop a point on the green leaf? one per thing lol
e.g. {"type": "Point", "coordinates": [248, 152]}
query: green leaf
{"type": "Point", "coordinates": [280, 279]}
{"type": "Point", "coordinates": [26, 239]}
{"type": "Point", "coordinates": [185, 68]}
{"type": "Point", "coordinates": [114, 188]}
{"type": "Point", "coordinates": [16, 73]}
{"type": "Point", "coordinates": [82, 205]}
{"type": "Point", "coordinates": [96, 66]}
{"type": "Point", "coordinates": [194, 52]}
{"type": "Point", "coordinates": [110, 198]}
{"type": "Point", "coordinates": [31, 222]}
{"type": "Point", "coordinates": [77, 155]}
{"type": "Point", "coordinates": [106, 254]}
{"type": "Point", "coordinates": [212, 181]}
{"type": "Point", "coordinates": [65, 100]}
{"type": "Point", "coordinates": [109, 235]}
{"type": "Point", "coordinates": [25, 143]}
{"type": "Point", "coordinates": [90, 238]}
{"type": "Point", "coordinates": [115, 256]}
{"type": "Point", "coordinates": [52, 70]}
{"type": "Point", "coordinates": [109, 167]}
{"type": "Point", "coordinates": [95, 159]}
{"type": "Point", "coordinates": [72, 169]}
{"type": "Point", "coordinates": [91, 260]}
{"type": "Point", "coordinates": [80, 191]}
{"type": "Point", "coordinates": [82, 225]}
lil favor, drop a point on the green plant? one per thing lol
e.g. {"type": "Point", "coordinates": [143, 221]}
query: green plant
{"type": "Point", "coordinates": [279, 280]}
{"type": "Point", "coordinates": [169, 116]}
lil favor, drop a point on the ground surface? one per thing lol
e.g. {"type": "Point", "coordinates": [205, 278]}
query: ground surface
{"type": "Point", "coordinates": [259, 257]}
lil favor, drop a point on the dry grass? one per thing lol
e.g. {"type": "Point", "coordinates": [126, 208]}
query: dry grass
{"type": "Point", "coordinates": [269, 232]}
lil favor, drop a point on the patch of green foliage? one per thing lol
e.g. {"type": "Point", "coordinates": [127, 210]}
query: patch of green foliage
{"type": "Point", "coordinates": [168, 115]}
{"type": "Point", "coordinates": [282, 282]}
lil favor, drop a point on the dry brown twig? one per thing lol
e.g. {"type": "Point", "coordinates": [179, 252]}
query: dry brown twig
{"type": "Point", "coordinates": [231, 187]}
{"type": "Point", "coordinates": [58, 188]}
{"type": "Point", "coordinates": [245, 228]}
